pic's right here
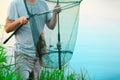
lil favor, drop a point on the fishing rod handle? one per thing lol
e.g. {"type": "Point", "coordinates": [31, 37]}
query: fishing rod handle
{"type": "Point", "coordinates": [20, 25]}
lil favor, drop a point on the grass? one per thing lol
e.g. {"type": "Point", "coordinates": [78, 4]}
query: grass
{"type": "Point", "coordinates": [6, 73]}
{"type": "Point", "coordinates": [63, 74]}
{"type": "Point", "coordinates": [5, 70]}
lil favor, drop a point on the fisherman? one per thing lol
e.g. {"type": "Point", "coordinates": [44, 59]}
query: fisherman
{"type": "Point", "coordinates": [27, 64]}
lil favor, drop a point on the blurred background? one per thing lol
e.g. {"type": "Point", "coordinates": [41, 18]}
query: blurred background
{"type": "Point", "coordinates": [98, 43]}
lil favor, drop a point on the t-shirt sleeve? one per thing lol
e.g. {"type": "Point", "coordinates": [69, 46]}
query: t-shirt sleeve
{"type": "Point", "coordinates": [12, 13]}
{"type": "Point", "coordinates": [48, 15]}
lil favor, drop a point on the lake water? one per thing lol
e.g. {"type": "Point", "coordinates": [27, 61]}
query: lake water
{"type": "Point", "coordinates": [98, 44]}
{"type": "Point", "coordinates": [98, 50]}
{"type": "Point", "coordinates": [102, 62]}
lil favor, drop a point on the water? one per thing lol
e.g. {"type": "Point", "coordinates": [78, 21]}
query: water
{"type": "Point", "coordinates": [101, 64]}
{"type": "Point", "coordinates": [98, 44]}
{"type": "Point", "coordinates": [98, 51]}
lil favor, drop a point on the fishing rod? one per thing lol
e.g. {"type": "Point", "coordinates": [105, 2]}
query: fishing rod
{"type": "Point", "coordinates": [76, 3]}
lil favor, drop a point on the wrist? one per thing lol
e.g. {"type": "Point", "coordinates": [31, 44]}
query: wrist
{"type": "Point", "coordinates": [55, 13]}
{"type": "Point", "coordinates": [18, 21]}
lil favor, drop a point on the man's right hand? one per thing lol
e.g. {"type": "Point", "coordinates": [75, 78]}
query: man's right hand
{"type": "Point", "coordinates": [11, 25]}
{"type": "Point", "coordinates": [23, 20]}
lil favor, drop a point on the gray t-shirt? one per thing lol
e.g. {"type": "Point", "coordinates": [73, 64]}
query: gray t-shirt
{"type": "Point", "coordinates": [24, 39]}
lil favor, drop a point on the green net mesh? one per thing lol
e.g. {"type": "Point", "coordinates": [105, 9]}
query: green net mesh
{"type": "Point", "coordinates": [68, 20]}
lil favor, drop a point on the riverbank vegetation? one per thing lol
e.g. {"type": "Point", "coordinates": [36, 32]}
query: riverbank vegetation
{"type": "Point", "coordinates": [7, 71]}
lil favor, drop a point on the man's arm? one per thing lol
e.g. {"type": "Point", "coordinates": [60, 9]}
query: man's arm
{"type": "Point", "coordinates": [11, 25]}
{"type": "Point", "coordinates": [51, 24]}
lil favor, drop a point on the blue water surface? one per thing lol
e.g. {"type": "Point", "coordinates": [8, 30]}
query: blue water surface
{"type": "Point", "coordinates": [98, 52]}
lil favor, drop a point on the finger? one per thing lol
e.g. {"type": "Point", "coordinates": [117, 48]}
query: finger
{"type": "Point", "coordinates": [25, 20]}
{"type": "Point", "coordinates": [57, 9]}
{"type": "Point", "coordinates": [57, 5]}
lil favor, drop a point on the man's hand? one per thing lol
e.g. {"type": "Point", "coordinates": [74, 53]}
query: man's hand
{"type": "Point", "coordinates": [23, 20]}
{"type": "Point", "coordinates": [51, 24]}
{"type": "Point", "coordinates": [57, 9]}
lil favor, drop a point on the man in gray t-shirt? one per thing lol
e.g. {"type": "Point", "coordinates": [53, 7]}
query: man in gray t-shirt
{"type": "Point", "coordinates": [25, 46]}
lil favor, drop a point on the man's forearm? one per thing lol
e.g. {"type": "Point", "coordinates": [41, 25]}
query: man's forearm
{"type": "Point", "coordinates": [11, 25]}
{"type": "Point", "coordinates": [51, 24]}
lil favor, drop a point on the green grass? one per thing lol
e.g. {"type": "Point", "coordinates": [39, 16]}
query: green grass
{"type": "Point", "coordinates": [5, 70]}
{"type": "Point", "coordinates": [64, 74]}
{"type": "Point", "coordinates": [6, 73]}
